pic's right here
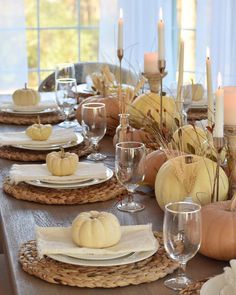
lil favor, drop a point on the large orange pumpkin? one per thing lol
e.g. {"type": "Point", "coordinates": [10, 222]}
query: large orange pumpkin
{"type": "Point", "coordinates": [218, 231]}
{"type": "Point", "coordinates": [112, 110]}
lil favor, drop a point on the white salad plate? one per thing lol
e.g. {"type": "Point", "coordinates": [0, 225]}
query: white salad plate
{"type": "Point", "coordinates": [49, 147]}
{"type": "Point", "coordinates": [129, 258]}
{"type": "Point", "coordinates": [213, 286]}
{"type": "Point", "coordinates": [99, 256]}
{"type": "Point", "coordinates": [29, 112]}
{"type": "Point", "coordinates": [72, 184]}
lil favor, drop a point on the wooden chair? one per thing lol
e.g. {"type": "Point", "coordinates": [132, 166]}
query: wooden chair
{"type": "Point", "coordinates": [85, 68]}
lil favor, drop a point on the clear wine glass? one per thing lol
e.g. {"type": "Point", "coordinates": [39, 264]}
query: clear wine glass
{"type": "Point", "coordinates": [129, 169]}
{"type": "Point", "coordinates": [186, 98]}
{"type": "Point", "coordinates": [66, 99]}
{"type": "Point", "coordinates": [182, 238]}
{"type": "Point", "coordinates": [94, 125]}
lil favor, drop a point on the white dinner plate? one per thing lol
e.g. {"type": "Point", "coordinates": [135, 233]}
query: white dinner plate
{"type": "Point", "coordinates": [213, 285]}
{"type": "Point", "coordinates": [130, 258]}
{"type": "Point", "coordinates": [50, 147]}
{"type": "Point", "coordinates": [71, 185]}
{"type": "Point", "coordinates": [16, 112]}
{"type": "Point", "coordinates": [99, 256]}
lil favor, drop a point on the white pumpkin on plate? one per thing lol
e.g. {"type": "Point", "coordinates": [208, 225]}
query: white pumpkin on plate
{"type": "Point", "coordinates": [95, 229]}
{"type": "Point", "coordinates": [26, 97]}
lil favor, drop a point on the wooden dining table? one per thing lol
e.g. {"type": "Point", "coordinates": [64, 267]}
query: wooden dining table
{"type": "Point", "coordinates": [19, 218]}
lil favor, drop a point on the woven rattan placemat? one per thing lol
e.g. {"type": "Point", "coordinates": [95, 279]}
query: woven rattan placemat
{"type": "Point", "coordinates": [19, 119]}
{"type": "Point", "coordinates": [95, 193]}
{"type": "Point", "coordinates": [23, 155]}
{"type": "Point", "coordinates": [148, 270]}
{"type": "Point", "coordinates": [193, 289]}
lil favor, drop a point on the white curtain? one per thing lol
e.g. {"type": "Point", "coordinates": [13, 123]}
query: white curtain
{"type": "Point", "coordinates": [13, 56]}
{"type": "Point", "coordinates": [216, 28]}
{"type": "Point", "coordinates": [140, 32]}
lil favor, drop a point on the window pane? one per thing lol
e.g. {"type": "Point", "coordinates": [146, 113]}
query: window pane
{"type": "Point", "coordinates": [89, 12]}
{"type": "Point", "coordinates": [31, 13]}
{"type": "Point", "coordinates": [33, 80]}
{"type": "Point", "coordinates": [88, 45]}
{"type": "Point", "coordinates": [32, 44]}
{"type": "Point", "coordinates": [59, 13]}
{"type": "Point", "coordinates": [58, 46]}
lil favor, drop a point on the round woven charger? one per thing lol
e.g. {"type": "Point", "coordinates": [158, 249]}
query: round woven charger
{"type": "Point", "coordinates": [23, 155]}
{"type": "Point", "coordinates": [95, 193]}
{"type": "Point", "coordinates": [19, 119]}
{"type": "Point", "coordinates": [193, 289]}
{"type": "Point", "coordinates": [52, 271]}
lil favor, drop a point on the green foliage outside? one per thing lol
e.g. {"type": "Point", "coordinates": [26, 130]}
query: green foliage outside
{"type": "Point", "coordinates": [60, 40]}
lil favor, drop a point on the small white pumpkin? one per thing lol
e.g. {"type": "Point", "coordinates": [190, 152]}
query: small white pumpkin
{"type": "Point", "coordinates": [96, 229]}
{"type": "Point", "coordinates": [26, 97]}
{"type": "Point", "coordinates": [39, 131]}
{"type": "Point", "coordinates": [61, 163]}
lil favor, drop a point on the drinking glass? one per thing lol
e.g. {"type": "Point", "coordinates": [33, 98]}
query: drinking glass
{"type": "Point", "coordinates": [129, 169]}
{"type": "Point", "coordinates": [94, 125]}
{"type": "Point", "coordinates": [66, 99]}
{"type": "Point", "coordinates": [182, 238]}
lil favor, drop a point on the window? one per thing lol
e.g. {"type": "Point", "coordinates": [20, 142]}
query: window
{"type": "Point", "coordinates": [60, 31]}
{"type": "Point", "coordinates": [186, 21]}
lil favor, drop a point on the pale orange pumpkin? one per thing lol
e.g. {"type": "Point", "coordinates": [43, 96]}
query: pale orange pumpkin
{"type": "Point", "coordinates": [219, 230]}
{"type": "Point", "coordinates": [154, 161]}
{"type": "Point", "coordinates": [112, 110]}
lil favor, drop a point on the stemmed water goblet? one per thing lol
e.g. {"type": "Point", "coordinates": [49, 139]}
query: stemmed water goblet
{"type": "Point", "coordinates": [182, 238]}
{"type": "Point", "coordinates": [66, 99]}
{"type": "Point", "coordinates": [129, 170]}
{"type": "Point", "coordinates": [94, 125]}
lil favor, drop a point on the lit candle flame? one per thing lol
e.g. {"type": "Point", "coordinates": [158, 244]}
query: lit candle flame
{"type": "Point", "coordinates": [160, 14]}
{"type": "Point", "coordinates": [208, 52]}
{"type": "Point", "coordinates": [121, 13]}
{"type": "Point", "coordinates": [219, 80]}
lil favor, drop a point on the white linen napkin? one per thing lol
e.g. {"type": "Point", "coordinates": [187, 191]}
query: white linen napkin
{"type": "Point", "coordinates": [58, 136]}
{"type": "Point", "coordinates": [31, 172]}
{"type": "Point", "coordinates": [47, 101]}
{"type": "Point", "coordinates": [58, 240]}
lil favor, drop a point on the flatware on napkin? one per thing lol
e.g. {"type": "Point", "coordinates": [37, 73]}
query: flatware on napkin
{"type": "Point", "coordinates": [58, 136]}
{"type": "Point", "coordinates": [57, 240]}
{"type": "Point", "coordinates": [47, 102]}
{"type": "Point", "coordinates": [30, 172]}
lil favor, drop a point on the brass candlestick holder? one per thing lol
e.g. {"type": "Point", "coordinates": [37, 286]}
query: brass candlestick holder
{"type": "Point", "coordinates": [161, 67]}
{"type": "Point", "coordinates": [120, 55]}
{"type": "Point", "coordinates": [219, 143]}
{"type": "Point", "coordinates": [154, 81]}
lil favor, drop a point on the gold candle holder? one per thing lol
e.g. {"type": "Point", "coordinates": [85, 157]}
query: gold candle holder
{"type": "Point", "coordinates": [219, 143]}
{"type": "Point", "coordinates": [154, 80]}
{"type": "Point", "coordinates": [161, 67]}
{"type": "Point", "coordinates": [120, 55]}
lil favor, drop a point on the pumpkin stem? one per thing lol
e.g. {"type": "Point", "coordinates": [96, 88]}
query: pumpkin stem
{"type": "Point", "coordinates": [62, 153]}
{"type": "Point", "coordinates": [233, 203]}
{"type": "Point", "coordinates": [25, 85]}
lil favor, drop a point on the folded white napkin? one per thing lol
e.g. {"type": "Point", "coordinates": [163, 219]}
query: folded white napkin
{"type": "Point", "coordinates": [31, 172]}
{"type": "Point", "coordinates": [57, 240]}
{"type": "Point", "coordinates": [223, 284]}
{"type": "Point", "coordinates": [47, 101]}
{"type": "Point", "coordinates": [58, 136]}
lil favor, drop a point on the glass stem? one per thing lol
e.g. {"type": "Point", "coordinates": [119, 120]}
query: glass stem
{"type": "Point", "coordinates": [95, 147]}
{"type": "Point", "coordinates": [130, 197]}
{"type": "Point", "coordinates": [182, 269]}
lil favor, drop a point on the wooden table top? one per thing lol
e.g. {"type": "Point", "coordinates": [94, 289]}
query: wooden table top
{"type": "Point", "coordinates": [18, 220]}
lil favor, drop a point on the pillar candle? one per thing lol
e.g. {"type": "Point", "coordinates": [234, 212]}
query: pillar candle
{"type": "Point", "coordinates": [161, 37]}
{"type": "Point", "coordinates": [210, 108]}
{"type": "Point", "coordinates": [150, 62]}
{"type": "Point", "coordinates": [230, 105]}
{"type": "Point", "coordinates": [120, 30]}
{"type": "Point", "coordinates": [219, 114]}
{"type": "Point", "coordinates": [181, 71]}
